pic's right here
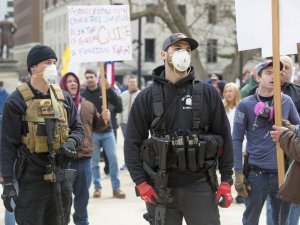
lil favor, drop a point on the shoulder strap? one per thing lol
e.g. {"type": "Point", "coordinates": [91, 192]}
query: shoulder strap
{"type": "Point", "coordinates": [159, 112]}
{"type": "Point", "coordinates": [157, 92]}
{"type": "Point", "coordinates": [58, 92]}
{"type": "Point", "coordinates": [158, 107]}
{"type": "Point", "coordinates": [197, 103]}
{"type": "Point", "coordinates": [26, 93]}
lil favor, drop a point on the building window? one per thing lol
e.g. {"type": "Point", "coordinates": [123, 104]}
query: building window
{"type": "Point", "coordinates": [54, 2]}
{"type": "Point", "coordinates": [182, 10]}
{"type": "Point", "coordinates": [212, 14]}
{"type": "Point", "coordinates": [46, 4]}
{"type": "Point", "coordinates": [149, 50]}
{"type": "Point", "coordinates": [212, 50]}
{"type": "Point", "coordinates": [149, 19]}
{"type": "Point", "coordinates": [10, 4]}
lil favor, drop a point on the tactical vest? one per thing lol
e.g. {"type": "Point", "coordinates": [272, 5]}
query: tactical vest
{"type": "Point", "coordinates": [184, 151]}
{"type": "Point", "coordinates": [35, 137]}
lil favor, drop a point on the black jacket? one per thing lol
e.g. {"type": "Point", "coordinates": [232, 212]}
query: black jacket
{"type": "Point", "coordinates": [179, 117]}
{"type": "Point", "coordinates": [13, 128]}
{"type": "Point", "coordinates": [289, 89]}
{"type": "Point", "coordinates": [114, 103]}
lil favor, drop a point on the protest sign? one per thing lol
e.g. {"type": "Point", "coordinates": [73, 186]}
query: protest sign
{"type": "Point", "coordinates": [99, 33]}
{"type": "Point", "coordinates": [254, 25]}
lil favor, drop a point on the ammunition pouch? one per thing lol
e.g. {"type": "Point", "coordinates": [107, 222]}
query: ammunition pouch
{"type": "Point", "coordinates": [193, 151]}
{"type": "Point", "coordinates": [184, 152]}
{"type": "Point", "coordinates": [179, 158]}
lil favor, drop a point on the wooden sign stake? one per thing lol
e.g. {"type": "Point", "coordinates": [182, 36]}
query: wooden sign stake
{"type": "Point", "coordinates": [298, 50]}
{"type": "Point", "coordinates": [277, 88]}
{"type": "Point", "coordinates": [103, 86]}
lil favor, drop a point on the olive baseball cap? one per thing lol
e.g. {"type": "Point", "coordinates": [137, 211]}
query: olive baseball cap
{"type": "Point", "coordinates": [179, 37]}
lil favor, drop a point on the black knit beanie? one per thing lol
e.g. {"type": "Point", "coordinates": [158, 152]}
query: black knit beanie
{"type": "Point", "coordinates": [38, 54]}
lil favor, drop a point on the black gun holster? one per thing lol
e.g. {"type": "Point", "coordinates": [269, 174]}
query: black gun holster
{"type": "Point", "coordinates": [20, 165]}
{"type": "Point", "coordinates": [212, 175]}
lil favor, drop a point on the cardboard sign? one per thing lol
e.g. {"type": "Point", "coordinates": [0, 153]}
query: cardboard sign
{"type": "Point", "coordinates": [254, 25]}
{"type": "Point", "coordinates": [99, 33]}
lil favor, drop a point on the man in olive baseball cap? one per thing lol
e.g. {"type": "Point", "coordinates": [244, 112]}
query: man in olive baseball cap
{"type": "Point", "coordinates": [179, 37]}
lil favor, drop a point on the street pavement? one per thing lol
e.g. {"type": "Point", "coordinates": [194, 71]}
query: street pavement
{"type": "Point", "coordinates": [110, 211]}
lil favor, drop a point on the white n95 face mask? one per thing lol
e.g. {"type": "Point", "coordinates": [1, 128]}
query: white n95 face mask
{"type": "Point", "coordinates": [50, 74]}
{"type": "Point", "coordinates": [181, 60]}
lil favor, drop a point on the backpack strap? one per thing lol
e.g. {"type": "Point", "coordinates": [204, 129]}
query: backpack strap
{"type": "Point", "coordinates": [197, 103]}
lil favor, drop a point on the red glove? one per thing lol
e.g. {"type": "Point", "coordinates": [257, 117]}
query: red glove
{"type": "Point", "coordinates": [147, 193]}
{"type": "Point", "coordinates": [224, 197]}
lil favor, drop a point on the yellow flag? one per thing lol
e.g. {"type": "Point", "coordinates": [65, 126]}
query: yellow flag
{"type": "Point", "coordinates": [65, 59]}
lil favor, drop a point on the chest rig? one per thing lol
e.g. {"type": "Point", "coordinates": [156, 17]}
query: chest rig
{"type": "Point", "coordinates": [35, 137]}
{"type": "Point", "coordinates": [185, 151]}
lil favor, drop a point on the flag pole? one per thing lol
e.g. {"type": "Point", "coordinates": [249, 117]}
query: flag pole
{"type": "Point", "coordinates": [277, 88]}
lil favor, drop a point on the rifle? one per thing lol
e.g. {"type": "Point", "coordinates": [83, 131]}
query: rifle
{"type": "Point", "coordinates": [52, 171]}
{"type": "Point", "coordinates": [160, 179]}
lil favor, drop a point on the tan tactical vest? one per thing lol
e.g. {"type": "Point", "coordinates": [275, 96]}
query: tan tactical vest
{"type": "Point", "coordinates": [37, 111]}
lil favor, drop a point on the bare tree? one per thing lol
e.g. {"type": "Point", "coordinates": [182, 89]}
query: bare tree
{"type": "Point", "coordinates": [169, 13]}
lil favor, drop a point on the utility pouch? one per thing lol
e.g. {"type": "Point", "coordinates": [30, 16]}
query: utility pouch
{"type": "Point", "coordinates": [213, 145]}
{"type": "Point", "coordinates": [161, 147]}
{"type": "Point", "coordinates": [20, 166]}
{"type": "Point", "coordinates": [246, 166]}
{"type": "Point", "coordinates": [179, 149]}
{"type": "Point", "coordinates": [148, 154]}
{"type": "Point", "coordinates": [192, 149]}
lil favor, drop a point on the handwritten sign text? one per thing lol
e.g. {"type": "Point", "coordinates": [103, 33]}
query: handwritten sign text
{"type": "Point", "coordinates": [100, 33]}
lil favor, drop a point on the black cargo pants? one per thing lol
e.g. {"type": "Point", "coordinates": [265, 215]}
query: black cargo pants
{"type": "Point", "coordinates": [195, 203]}
{"type": "Point", "coordinates": [36, 200]}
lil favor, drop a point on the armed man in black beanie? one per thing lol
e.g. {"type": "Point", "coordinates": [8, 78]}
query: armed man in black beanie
{"type": "Point", "coordinates": [41, 132]}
